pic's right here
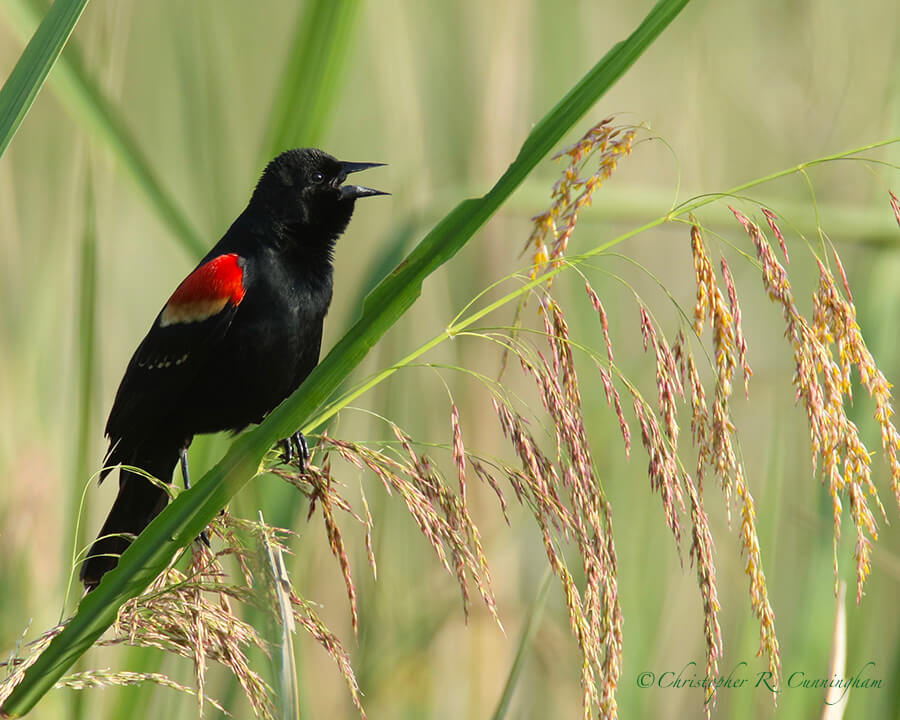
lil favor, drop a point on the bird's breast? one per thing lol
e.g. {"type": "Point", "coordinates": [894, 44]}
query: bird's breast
{"type": "Point", "coordinates": [272, 345]}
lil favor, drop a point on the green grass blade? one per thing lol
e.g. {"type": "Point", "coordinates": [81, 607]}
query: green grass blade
{"type": "Point", "coordinates": [286, 687]}
{"type": "Point", "coordinates": [190, 512]}
{"type": "Point", "coordinates": [90, 106]}
{"type": "Point", "coordinates": [87, 361]}
{"type": "Point", "coordinates": [311, 78]}
{"type": "Point", "coordinates": [87, 387]}
{"type": "Point", "coordinates": [27, 77]}
{"type": "Point", "coordinates": [532, 623]}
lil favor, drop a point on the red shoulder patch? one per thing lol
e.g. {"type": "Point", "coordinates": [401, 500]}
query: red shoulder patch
{"type": "Point", "coordinates": [206, 291]}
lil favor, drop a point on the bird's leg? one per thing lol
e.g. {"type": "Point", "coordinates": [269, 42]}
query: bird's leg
{"type": "Point", "coordinates": [287, 450]}
{"type": "Point", "coordinates": [186, 476]}
{"type": "Point", "coordinates": [299, 440]}
{"type": "Point", "coordinates": [296, 443]}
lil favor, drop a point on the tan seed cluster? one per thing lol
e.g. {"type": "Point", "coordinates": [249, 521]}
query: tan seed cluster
{"type": "Point", "coordinates": [717, 450]}
{"type": "Point", "coordinates": [441, 515]}
{"type": "Point", "coordinates": [190, 614]}
{"type": "Point", "coordinates": [668, 477]}
{"type": "Point", "coordinates": [605, 143]}
{"type": "Point", "coordinates": [17, 664]}
{"type": "Point", "coordinates": [825, 350]}
{"type": "Point", "coordinates": [95, 679]}
{"type": "Point", "coordinates": [613, 399]}
{"type": "Point", "coordinates": [566, 497]}
{"type": "Point", "coordinates": [193, 614]}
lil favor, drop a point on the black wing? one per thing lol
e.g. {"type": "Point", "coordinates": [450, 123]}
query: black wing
{"type": "Point", "coordinates": [181, 340]}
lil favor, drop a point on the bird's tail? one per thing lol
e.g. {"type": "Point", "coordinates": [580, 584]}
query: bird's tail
{"type": "Point", "coordinates": [138, 502]}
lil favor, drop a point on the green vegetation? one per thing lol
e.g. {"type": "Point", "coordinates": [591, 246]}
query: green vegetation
{"type": "Point", "coordinates": [446, 96]}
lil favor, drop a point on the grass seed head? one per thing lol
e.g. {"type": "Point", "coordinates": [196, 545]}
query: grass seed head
{"type": "Point", "coordinates": [825, 350]}
{"type": "Point", "coordinates": [602, 147]}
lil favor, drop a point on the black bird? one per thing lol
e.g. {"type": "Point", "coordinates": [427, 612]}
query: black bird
{"type": "Point", "coordinates": [238, 335]}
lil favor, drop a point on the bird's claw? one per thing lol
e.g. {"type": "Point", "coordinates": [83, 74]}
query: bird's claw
{"type": "Point", "coordinates": [204, 538]}
{"type": "Point", "coordinates": [296, 443]}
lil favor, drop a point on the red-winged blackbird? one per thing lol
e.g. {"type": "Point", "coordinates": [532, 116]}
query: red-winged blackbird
{"type": "Point", "coordinates": [238, 335]}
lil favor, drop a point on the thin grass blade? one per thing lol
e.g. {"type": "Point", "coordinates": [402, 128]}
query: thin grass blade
{"type": "Point", "coordinates": [92, 108]}
{"type": "Point", "coordinates": [192, 510]}
{"type": "Point", "coordinates": [27, 77]}
{"type": "Point", "coordinates": [286, 688]}
{"type": "Point", "coordinates": [311, 78]}
{"type": "Point", "coordinates": [87, 387]}
{"type": "Point", "coordinates": [528, 632]}
{"type": "Point", "coordinates": [836, 697]}
{"type": "Point", "coordinates": [87, 354]}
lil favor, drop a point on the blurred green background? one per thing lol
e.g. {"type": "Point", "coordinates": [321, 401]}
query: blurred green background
{"type": "Point", "coordinates": [445, 93]}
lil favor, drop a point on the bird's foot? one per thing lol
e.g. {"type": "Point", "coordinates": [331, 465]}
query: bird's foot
{"type": "Point", "coordinates": [295, 443]}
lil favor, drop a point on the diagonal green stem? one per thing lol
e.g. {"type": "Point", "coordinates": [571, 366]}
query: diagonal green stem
{"type": "Point", "coordinates": [688, 207]}
{"type": "Point", "coordinates": [532, 623]}
{"type": "Point", "coordinates": [460, 324]}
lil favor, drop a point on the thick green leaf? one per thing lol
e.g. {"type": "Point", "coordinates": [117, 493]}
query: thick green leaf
{"type": "Point", "coordinates": [86, 339]}
{"type": "Point", "coordinates": [311, 78]}
{"type": "Point", "coordinates": [27, 77]}
{"type": "Point", "coordinates": [190, 512]}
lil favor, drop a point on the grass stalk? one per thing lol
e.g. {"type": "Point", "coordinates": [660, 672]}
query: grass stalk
{"type": "Point", "coordinates": [311, 77]}
{"type": "Point", "coordinates": [28, 76]}
{"type": "Point", "coordinates": [532, 623]}
{"type": "Point", "coordinates": [460, 324]}
{"type": "Point", "coordinates": [96, 112]}
{"type": "Point", "coordinates": [87, 383]}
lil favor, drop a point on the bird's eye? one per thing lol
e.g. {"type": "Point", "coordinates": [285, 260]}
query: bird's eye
{"type": "Point", "coordinates": [318, 177]}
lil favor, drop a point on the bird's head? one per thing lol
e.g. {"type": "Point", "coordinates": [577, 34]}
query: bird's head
{"type": "Point", "coordinates": [307, 188]}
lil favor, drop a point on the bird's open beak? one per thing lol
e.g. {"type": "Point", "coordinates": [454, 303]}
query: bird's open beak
{"type": "Point", "coordinates": [358, 191]}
